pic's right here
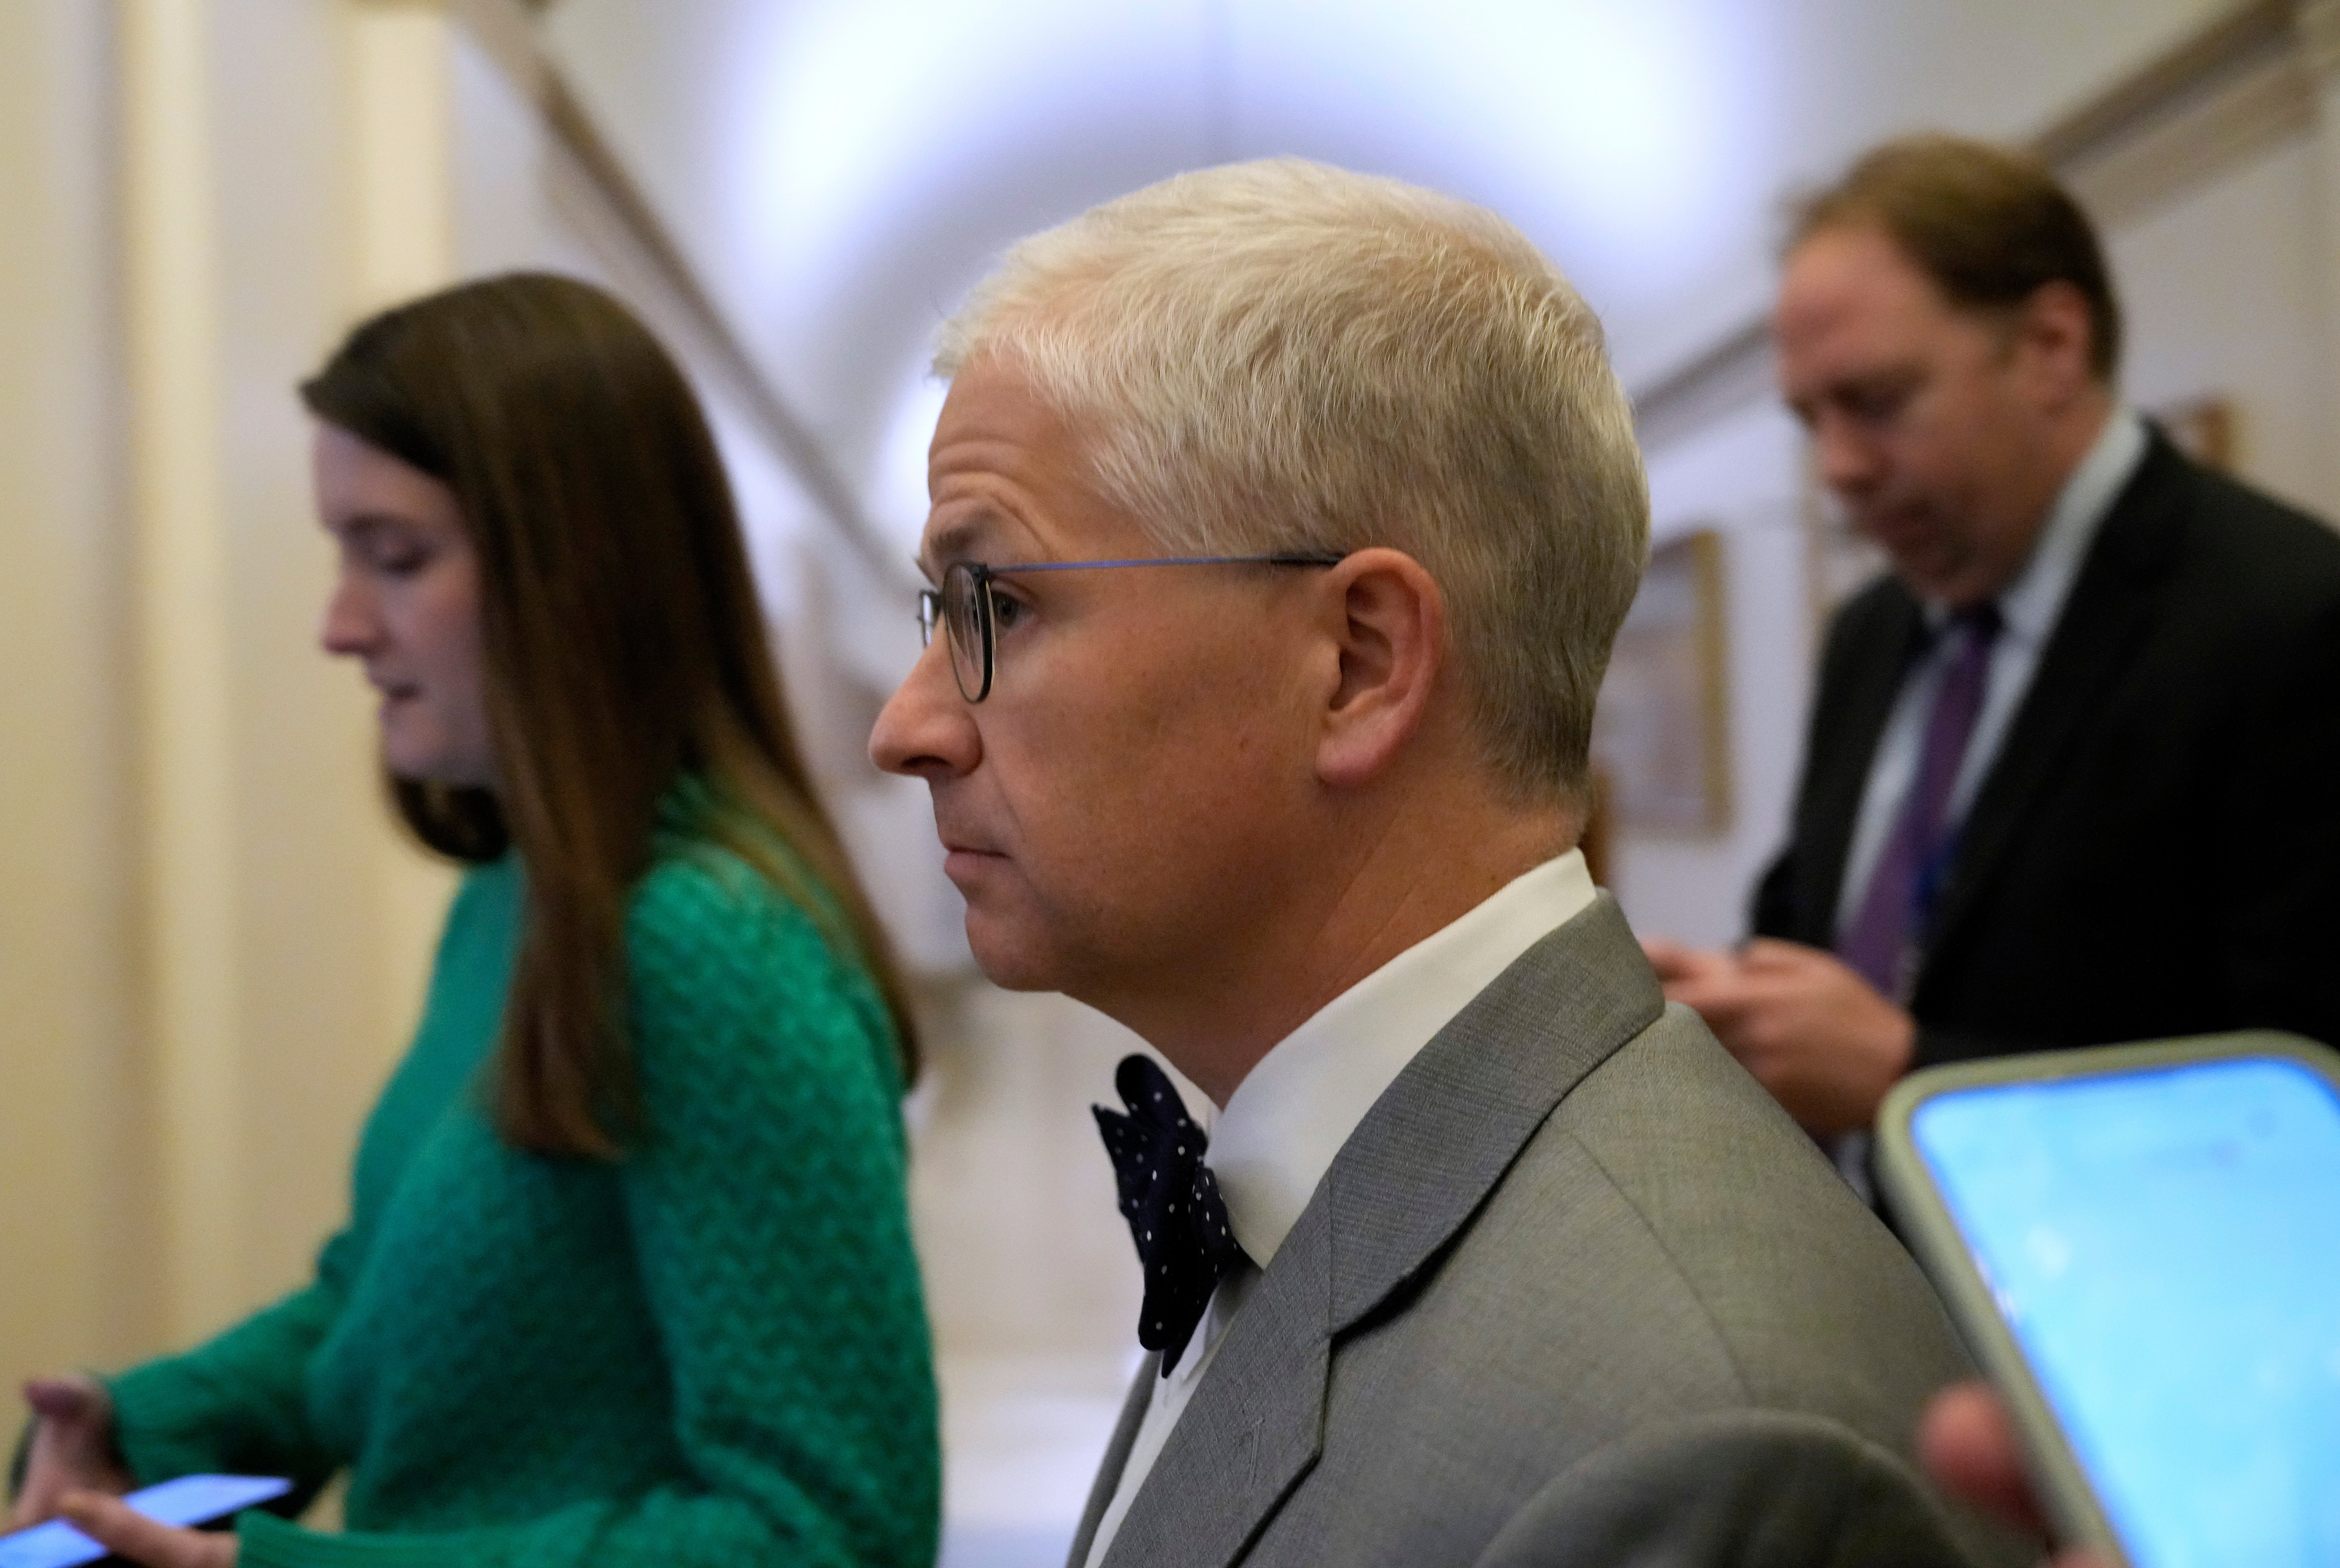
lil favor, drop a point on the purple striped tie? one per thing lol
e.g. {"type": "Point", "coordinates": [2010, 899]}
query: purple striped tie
{"type": "Point", "coordinates": [1882, 943]}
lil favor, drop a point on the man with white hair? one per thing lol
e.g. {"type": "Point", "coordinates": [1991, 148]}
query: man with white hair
{"type": "Point", "coordinates": [1282, 521]}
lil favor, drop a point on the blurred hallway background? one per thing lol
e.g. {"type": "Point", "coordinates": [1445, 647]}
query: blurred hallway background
{"type": "Point", "coordinates": [210, 942]}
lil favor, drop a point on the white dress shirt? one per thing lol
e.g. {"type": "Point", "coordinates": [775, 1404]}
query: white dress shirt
{"type": "Point", "coordinates": [2029, 609]}
{"type": "Point", "coordinates": [1286, 1120]}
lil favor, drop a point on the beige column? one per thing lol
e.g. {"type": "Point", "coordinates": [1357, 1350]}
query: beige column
{"type": "Point", "coordinates": [402, 169]}
{"type": "Point", "coordinates": [2319, 31]}
{"type": "Point", "coordinates": [187, 723]}
{"type": "Point", "coordinates": [76, 1265]}
{"type": "Point", "coordinates": [402, 65]}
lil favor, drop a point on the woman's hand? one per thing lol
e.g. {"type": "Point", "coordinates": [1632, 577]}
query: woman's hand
{"type": "Point", "coordinates": [73, 1447]}
{"type": "Point", "coordinates": [126, 1532]}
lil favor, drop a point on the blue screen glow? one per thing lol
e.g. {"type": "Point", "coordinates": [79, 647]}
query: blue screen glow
{"type": "Point", "coordinates": [2165, 1246]}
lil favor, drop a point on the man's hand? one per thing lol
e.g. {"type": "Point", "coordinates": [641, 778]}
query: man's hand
{"type": "Point", "coordinates": [126, 1532]}
{"type": "Point", "coordinates": [73, 1447]}
{"type": "Point", "coordinates": [1968, 1446]}
{"type": "Point", "coordinates": [1813, 1032]}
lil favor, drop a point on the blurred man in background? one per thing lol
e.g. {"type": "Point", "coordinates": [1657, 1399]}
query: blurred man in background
{"type": "Point", "coordinates": [2073, 774]}
{"type": "Point", "coordinates": [1282, 521]}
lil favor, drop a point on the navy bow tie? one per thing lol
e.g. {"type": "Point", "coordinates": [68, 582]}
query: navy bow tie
{"type": "Point", "coordinates": [1172, 1202]}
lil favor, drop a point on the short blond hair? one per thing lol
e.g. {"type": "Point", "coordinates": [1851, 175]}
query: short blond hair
{"type": "Point", "coordinates": [1280, 356]}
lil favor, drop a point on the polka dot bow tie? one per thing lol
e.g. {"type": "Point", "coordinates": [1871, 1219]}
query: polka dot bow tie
{"type": "Point", "coordinates": [1171, 1202]}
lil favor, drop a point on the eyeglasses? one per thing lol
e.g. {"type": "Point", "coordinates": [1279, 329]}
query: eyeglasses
{"type": "Point", "coordinates": [964, 608]}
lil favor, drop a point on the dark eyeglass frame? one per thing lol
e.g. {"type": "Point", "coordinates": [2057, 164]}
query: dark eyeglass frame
{"type": "Point", "coordinates": [967, 589]}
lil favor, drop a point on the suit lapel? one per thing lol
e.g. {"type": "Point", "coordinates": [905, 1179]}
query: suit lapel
{"type": "Point", "coordinates": [1253, 1428]}
{"type": "Point", "coordinates": [1877, 658]}
{"type": "Point", "coordinates": [1116, 1458]}
{"type": "Point", "coordinates": [1405, 1185]}
{"type": "Point", "coordinates": [1433, 1147]}
{"type": "Point", "coordinates": [2111, 608]}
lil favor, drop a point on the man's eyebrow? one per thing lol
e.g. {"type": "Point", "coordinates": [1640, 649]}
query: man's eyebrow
{"type": "Point", "coordinates": [956, 540]}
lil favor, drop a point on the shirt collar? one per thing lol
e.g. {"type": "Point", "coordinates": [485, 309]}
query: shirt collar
{"type": "Point", "coordinates": [2029, 606]}
{"type": "Point", "coordinates": [1291, 1114]}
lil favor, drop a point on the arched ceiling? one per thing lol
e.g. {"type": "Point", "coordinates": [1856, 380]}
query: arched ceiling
{"type": "Point", "coordinates": [839, 171]}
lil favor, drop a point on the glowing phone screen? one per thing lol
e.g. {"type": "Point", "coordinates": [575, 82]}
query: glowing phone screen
{"type": "Point", "coordinates": [189, 1500]}
{"type": "Point", "coordinates": [2165, 1246]}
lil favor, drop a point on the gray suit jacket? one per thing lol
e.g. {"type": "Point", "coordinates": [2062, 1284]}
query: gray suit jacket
{"type": "Point", "coordinates": [1576, 1291]}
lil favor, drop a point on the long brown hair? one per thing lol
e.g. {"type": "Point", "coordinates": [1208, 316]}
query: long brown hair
{"type": "Point", "coordinates": [624, 650]}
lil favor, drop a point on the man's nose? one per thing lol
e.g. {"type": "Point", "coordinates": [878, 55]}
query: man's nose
{"type": "Point", "coordinates": [926, 730]}
{"type": "Point", "coordinates": [1848, 458]}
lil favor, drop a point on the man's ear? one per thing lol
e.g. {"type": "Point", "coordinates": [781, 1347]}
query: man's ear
{"type": "Point", "coordinates": [2053, 329]}
{"type": "Point", "coordinates": [1390, 627]}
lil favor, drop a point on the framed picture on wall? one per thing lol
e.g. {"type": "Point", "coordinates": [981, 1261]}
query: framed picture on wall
{"type": "Point", "coordinates": [1662, 734]}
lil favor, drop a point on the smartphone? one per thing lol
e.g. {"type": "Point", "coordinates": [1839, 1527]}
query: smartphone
{"type": "Point", "coordinates": [2141, 1244]}
{"type": "Point", "coordinates": [191, 1500]}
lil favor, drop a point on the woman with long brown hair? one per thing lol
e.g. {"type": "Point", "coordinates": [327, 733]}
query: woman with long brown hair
{"type": "Point", "coordinates": [628, 1276]}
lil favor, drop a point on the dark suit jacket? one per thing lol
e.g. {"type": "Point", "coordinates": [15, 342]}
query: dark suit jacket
{"type": "Point", "coordinates": [1575, 1292]}
{"type": "Point", "coordinates": [2156, 850]}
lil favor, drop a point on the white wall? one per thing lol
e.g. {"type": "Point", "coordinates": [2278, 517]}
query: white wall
{"type": "Point", "coordinates": [1740, 476]}
{"type": "Point", "coordinates": [2226, 291]}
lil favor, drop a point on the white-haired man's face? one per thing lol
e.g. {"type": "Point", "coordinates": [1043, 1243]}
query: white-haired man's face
{"type": "Point", "coordinates": [1119, 810]}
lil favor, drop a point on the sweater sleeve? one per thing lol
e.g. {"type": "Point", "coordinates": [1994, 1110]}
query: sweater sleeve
{"type": "Point", "coordinates": [238, 1403]}
{"type": "Point", "coordinates": [765, 1196]}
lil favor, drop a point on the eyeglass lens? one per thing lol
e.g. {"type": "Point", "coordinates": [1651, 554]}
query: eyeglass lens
{"type": "Point", "coordinates": [967, 614]}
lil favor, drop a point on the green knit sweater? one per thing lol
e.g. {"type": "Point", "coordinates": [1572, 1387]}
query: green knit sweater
{"type": "Point", "coordinates": [713, 1351]}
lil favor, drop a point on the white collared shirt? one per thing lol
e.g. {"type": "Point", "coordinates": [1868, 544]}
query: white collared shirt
{"type": "Point", "coordinates": [2029, 609]}
{"type": "Point", "coordinates": [1271, 1145]}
